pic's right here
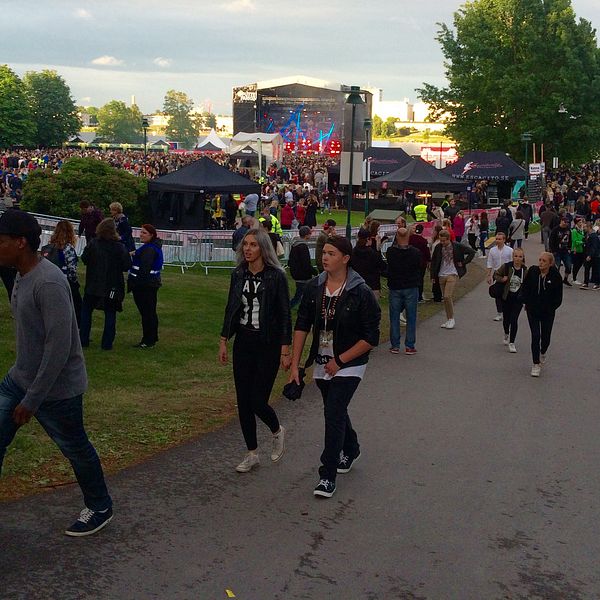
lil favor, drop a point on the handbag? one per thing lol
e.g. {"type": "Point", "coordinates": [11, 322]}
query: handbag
{"type": "Point", "coordinates": [496, 290]}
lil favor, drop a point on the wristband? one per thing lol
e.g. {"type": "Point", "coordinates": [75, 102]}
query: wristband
{"type": "Point", "coordinates": [339, 362]}
{"type": "Point", "coordinates": [282, 354]}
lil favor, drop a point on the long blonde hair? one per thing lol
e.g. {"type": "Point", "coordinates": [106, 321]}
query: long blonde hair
{"type": "Point", "coordinates": [63, 234]}
{"type": "Point", "coordinates": [267, 251]}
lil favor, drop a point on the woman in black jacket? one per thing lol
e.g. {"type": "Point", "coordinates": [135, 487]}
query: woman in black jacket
{"type": "Point", "coordinates": [368, 262]}
{"type": "Point", "coordinates": [144, 281]}
{"type": "Point", "coordinates": [258, 314]}
{"type": "Point", "coordinates": [106, 259]}
{"type": "Point", "coordinates": [541, 294]}
{"type": "Point", "coordinates": [344, 317]}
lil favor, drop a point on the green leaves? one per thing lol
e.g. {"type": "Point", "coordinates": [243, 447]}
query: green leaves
{"type": "Point", "coordinates": [182, 127]}
{"type": "Point", "coordinates": [119, 123]}
{"type": "Point", "coordinates": [16, 119]}
{"type": "Point", "coordinates": [509, 65]}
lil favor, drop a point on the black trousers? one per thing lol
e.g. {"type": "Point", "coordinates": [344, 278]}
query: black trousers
{"type": "Point", "coordinates": [421, 281]}
{"type": "Point", "coordinates": [472, 241]}
{"type": "Point", "coordinates": [145, 300]}
{"type": "Point", "coordinates": [592, 266]}
{"type": "Point", "coordinates": [436, 291]}
{"type": "Point", "coordinates": [339, 434]}
{"type": "Point", "coordinates": [541, 331]}
{"type": "Point", "coordinates": [255, 366]}
{"type": "Point", "coordinates": [578, 260]}
{"type": "Point", "coordinates": [511, 309]}
{"type": "Point", "coordinates": [76, 295]}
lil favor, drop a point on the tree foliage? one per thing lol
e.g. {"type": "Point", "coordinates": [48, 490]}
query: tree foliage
{"type": "Point", "coordinates": [53, 110]}
{"type": "Point", "coordinates": [510, 64]}
{"type": "Point", "coordinates": [85, 179]}
{"type": "Point", "coordinates": [119, 123]}
{"type": "Point", "coordinates": [16, 121]}
{"type": "Point", "coordinates": [182, 127]}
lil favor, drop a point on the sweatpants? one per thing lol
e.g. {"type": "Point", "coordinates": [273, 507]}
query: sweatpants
{"type": "Point", "coordinates": [339, 434]}
{"type": "Point", "coordinates": [255, 366]}
{"type": "Point", "coordinates": [541, 331]}
{"type": "Point", "coordinates": [511, 309]}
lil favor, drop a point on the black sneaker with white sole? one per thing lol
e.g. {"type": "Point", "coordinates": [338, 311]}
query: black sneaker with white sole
{"type": "Point", "coordinates": [90, 522]}
{"type": "Point", "coordinates": [325, 488]}
{"type": "Point", "coordinates": [346, 462]}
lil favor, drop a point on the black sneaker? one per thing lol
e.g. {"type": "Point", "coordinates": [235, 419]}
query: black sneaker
{"type": "Point", "coordinates": [325, 488]}
{"type": "Point", "coordinates": [89, 522]}
{"type": "Point", "coordinates": [346, 462]}
{"type": "Point", "coordinates": [567, 282]}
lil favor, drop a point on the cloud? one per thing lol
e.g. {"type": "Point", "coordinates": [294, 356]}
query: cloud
{"type": "Point", "coordinates": [240, 6]}
{"type": "Point", "coordinates": [107, 61]}
{"type": "Point", "coordinates": [85, 101]}
{"type": "Point", "coordinates": [159, 61]}
{"type": "Point", "coordinates": [82, 13]}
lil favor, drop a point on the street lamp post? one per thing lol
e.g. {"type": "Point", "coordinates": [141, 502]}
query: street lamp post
{"type": "Point", "coordinates": [145, 128]}
{"type": "Point", "coordinates": [367, 127]}
{"type": "Point", "coordinates": [354, 98]}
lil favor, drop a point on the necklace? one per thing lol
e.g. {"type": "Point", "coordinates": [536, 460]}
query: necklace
{"type": "Point", "coordinates": [328, 312]}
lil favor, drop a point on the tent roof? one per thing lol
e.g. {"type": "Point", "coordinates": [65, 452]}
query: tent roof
{"type": "Point", "coordinates": [386, 160]}
{"type": "Point", "coordinates": [493, 166]}
{"type": "Point", "coordinates": [252, 137]}
{"type": "Point", "coordinates": [204, 175]}
{"type": "Point", "coordinates": [214, 139]}
{"type": "Point", "coordinates": [420, 174]}
{"type": "Point", "coordinates": [245, 152]}
{"type": "Point", "coordinates": [209, 147]}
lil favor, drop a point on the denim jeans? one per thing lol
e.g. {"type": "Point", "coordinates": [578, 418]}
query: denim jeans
{"type": "Point", "coordinates": [483, 236]}
{"type": "Point", "coordinates": [63, 422]}
{"type": "Point", "coordinates": [110, 324]}
{"type": "Point", "coordinates": [563, 257]}
{"type": "Point", "coordinates": [339, 434]}
{"type": "Point", "coordinates": [300, 285]}
{"type": "Point", "coordinates": [400, 300]}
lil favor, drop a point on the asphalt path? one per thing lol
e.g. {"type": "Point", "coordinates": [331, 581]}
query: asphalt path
{"type": "Point", "coordinates": [476, 481]}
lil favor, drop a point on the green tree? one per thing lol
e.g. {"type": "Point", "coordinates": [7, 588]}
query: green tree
{"type": "Point", "coordinates": [85, 179]}
{"type": "Point", "coordinates": [510, 64]}
{"type": "Point", "coordinates": [118, 123]}
{"type": "Point", "coordinates": [182, 127]}
{"type": "Point", "coordinates": [53, 110]}
{"type": "Point", "coordinates": [377, 123]}
{"type": "Point", "coordinates": [388, 128]}
{"type": "Point", "coordinates": [210, 120]}
{"type": "Point", "coordinates": [16, 122]}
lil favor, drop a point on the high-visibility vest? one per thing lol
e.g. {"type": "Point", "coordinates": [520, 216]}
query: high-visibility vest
{"type": "Point", "coordinates": [421, 212]}
{"type": "Point", "coordinates": [275, 224]}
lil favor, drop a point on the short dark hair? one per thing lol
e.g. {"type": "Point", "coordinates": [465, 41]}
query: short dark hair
{"type": "Point", "coordinates": [341, 243]}
{"type": "Point", "coordinates": [84, 204]}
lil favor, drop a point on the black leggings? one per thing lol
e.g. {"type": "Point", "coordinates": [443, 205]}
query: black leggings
{"type": "Point", "coordinates": [541, 330]}
{"type": "Point", "coordinates": [145, 300]}
{"type": "Point", "coordinates": [511, 309]}
{"type": "Point", "coordinates": [255, 366]}
{"type": "Point", "coordinates": [578, 260]}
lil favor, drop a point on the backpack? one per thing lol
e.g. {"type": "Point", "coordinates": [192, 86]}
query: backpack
{"type": "Point", "coordinates": [54, 255]}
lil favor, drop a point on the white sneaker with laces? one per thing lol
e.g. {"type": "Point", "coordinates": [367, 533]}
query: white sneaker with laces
{"type": "Point", "coordinates": [450, 324]}
{"type": "Point", "coordinates": [498, 317]}
{"type": "Point", "coordinates": [250, 461]}
{"type": "Point", "coordinates": [505, 340]}
{"type": "Point", "coordinates": [278, 444]}
{"type": "Point", "coordinates": [542, 359]}
{"type": "Point", "coordinates": [444, 325]}
{"type": "Point", "coordinates": [575, 282]}
{"type": "Point", "coordinates": [512, 348]}
{"type": "Point", "coordinates": [536, 370]}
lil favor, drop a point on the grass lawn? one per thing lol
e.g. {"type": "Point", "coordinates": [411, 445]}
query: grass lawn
{"type": "Point", "coordinates": [143, 401]}
{"type": "Point", "coordinates": [340, 216]}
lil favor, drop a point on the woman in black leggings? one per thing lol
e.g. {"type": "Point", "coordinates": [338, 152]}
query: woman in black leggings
{"type": "Point", "coordinates": [258, 314]}
{"type": "Point", "coordinates": [512, 275]}
{"type": "Point", "coordinates": [541, 293]}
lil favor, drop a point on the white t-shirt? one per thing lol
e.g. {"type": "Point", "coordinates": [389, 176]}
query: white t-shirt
{"type": "Point", "coordinates": [496, 257]}
{"type": "Point", "coordinates": [326, 350]}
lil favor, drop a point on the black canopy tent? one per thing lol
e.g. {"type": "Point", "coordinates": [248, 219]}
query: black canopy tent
{"type": "Point", "coordinates": [495, 167]}
{"type": "Point", "coordinates": [209, 147]}
{"type": "Point", "coordinates": [177, 199]}
{"type": "Point", "coordinates": [419, 175]}
{"type": "Point", "coordinates": [248, 157]}
{"type": "Point", "coordinates": [385, 160]}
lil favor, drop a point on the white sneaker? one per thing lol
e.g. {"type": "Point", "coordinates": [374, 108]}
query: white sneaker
{"type": "Point", "coordinates": [402, 320]}
{"type": "Point", "coordinates": [444, 325]}
{"type": "Point", "coordinates": [512, 348]}
{"type": "Point", "coordinates": [505, 340]}
{"type": "Point", "coordinates": [450, 324]}
{"type": "Point", "coordinates": [278, 444]}
{"type": "Point", "coordinates": [498, 317]}
{"type": "Point", "coordinates": [575, 282]}
{"type": "Point", "coordinates": [250, 461]}
{"type": "Point", "coordinates": [542, 359]}
{"type": "Point", "coordinates": [536, 370]}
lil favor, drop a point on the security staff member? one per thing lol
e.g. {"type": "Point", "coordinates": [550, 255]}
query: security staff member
{"type": "Point", "coordinates": [276, 225]}
{"type": "Point", "coordinates": [420, 212]}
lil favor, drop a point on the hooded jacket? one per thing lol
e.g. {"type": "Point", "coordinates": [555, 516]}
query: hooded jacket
{"type": "Point", "coordinates": [542, 295]}
{"type": "Point", "coordinates": [299, 263]}
{"type": "Point", "coordinates": [357, 316]}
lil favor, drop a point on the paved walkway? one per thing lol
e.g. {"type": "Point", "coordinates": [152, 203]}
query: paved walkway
{"type": "Point", "coordinates": [476, 482]}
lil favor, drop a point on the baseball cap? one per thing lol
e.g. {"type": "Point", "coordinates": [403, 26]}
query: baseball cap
{"type": "Point", "coordinates": [18, 223]}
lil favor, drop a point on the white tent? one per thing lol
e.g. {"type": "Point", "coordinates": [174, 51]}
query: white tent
{"type": "Point", "coordinates": [214, 139]}
{"type": "Point", "coordinates": [270, 145]}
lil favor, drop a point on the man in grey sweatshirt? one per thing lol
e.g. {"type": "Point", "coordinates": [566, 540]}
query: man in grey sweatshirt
{"type": "Point", "coordinates": [48, 378]}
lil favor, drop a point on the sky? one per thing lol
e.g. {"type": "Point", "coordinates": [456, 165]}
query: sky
{"type": "Point", "coordinates": [113, 49]}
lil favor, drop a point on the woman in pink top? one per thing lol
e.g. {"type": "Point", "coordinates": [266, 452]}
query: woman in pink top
{"type": "Point", "coordinates": [458, 225]}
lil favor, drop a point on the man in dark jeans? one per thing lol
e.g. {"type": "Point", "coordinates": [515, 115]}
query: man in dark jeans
{"type": "Point", "coordinates": [49, 377]}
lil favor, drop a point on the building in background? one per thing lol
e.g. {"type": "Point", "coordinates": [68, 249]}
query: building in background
{"type": "Point", "coordinates": [310, 114]}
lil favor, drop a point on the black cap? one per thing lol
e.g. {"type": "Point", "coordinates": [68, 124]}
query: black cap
{"type": "Point", "coordinates": [18, 223]}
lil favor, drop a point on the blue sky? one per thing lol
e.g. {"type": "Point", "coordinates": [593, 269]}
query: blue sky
{"type": "Point", "coordinates": [115, 49]}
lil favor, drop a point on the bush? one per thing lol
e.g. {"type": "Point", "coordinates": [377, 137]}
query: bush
{"type": "Point", "coordinates": [86, 179]}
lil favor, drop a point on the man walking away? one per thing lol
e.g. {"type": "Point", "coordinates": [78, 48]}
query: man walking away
{"type": "Point", "coordinates": [90, 219]}
{"type": "Point", "coordinates": [560, 245]}
{"type": "Point", "coordinates": [48, 378]}
{"type": "Point", "coordinates": [301, 268]}
{"type": "Point", "coordinates": [404, 274]}
{"type": "Point", "coordinates": [417, 240]}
